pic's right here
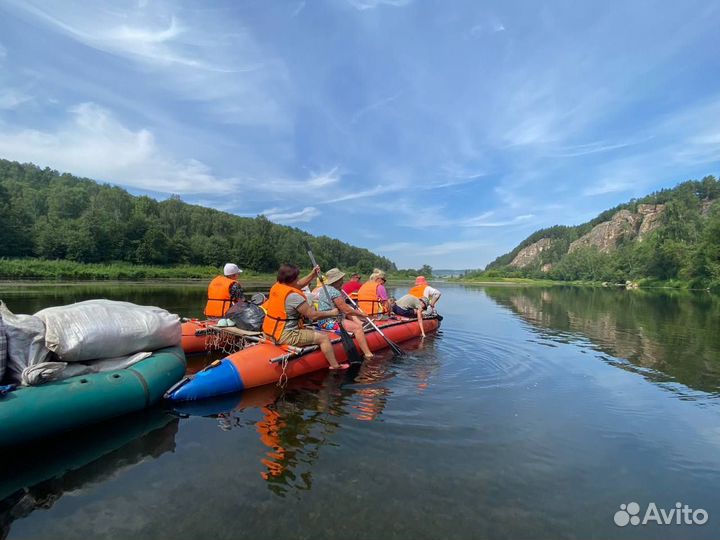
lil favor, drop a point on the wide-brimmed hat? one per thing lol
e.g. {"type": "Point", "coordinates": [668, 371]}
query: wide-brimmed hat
{"type": "Point", "coordinates": [333, 275]}
{"type": "Point", "coordinates": [420, 280]}
{"type": "Point", "coordinates": [231, 269]}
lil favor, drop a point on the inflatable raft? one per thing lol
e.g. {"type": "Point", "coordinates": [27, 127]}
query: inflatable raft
{"type": "Point", "coordinates": [38, 411]}
{"type": "Point", "coordinates": [194, 335]}
{"type": "Point", "coordinates": [265, 363]}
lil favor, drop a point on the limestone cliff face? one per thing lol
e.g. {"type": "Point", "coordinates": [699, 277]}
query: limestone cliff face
{"type": "Point", "coordinates": [624, 225]}
{"type": "Point", "coordinates": [529, 254]}
{"type": "Point", "coordinates": [651, 218]}
{"type": "Point", "coordinates": [606, 236]}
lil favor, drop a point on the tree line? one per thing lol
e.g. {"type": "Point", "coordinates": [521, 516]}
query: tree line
{"type": "Point", "coordinates": [48, 215]}
{"type": "Point", "coordinates": [684, 248]}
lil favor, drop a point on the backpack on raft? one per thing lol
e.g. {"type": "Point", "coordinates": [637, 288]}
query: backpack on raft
{"type": "Point", "coordinates": [247, 316]}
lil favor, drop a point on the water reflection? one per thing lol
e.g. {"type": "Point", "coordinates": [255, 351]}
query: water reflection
{"type": "Point", "coordinates": [36, 477]}
{"type": "Point", "coordinates": [297, 421]}
{"type": "Point", "coordinates": [664, 335]}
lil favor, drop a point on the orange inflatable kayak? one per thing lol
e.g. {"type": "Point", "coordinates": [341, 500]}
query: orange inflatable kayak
{"type": "Point", "coordinates": [264, 363]}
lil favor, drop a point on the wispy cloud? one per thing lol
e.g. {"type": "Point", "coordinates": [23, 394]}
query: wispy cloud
{"type": "Point", "coordinates": [373, 106]}
{"type": "Point", "coordinates": [300, 6]}
{"type": "Point", "coordinates": [228, 71]}
{"type": "Point", "coordinates": [11, 98]}
{"type": "Point", "coordinates": [444, 248]}
{"type": "Point", "coordinates": [490, 26]}
{"type": "Point", "coordinates": [93, 143]}
{"type": "Point", "coordinates": [484, 221]}
{"type": "Point", "coordinates": [280, 215]}
{"type": "Point", "coordinates": [363, 5]}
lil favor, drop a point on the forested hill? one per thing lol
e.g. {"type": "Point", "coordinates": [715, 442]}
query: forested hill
{"type": "Point", "coordinates": [672, 234]}
{"type": "Point", "coordinates": [59, 216]}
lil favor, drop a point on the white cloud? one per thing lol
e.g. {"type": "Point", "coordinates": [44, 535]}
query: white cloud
{"type": "Point", "coordinates": [198, 54]}
{"type": "Point", "coordinates": [279, 215]}
{"type": "Point", "coordinates": [11, 99]}
{"type": "Point", "coordinates": [483, 221]}
{"type": "Point", "coordinates": [95, 144]}
{"type": "Point", "coordinates": [363, 5]}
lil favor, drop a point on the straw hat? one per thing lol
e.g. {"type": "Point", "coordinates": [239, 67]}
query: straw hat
{"type": "Point", "coordinates": [333, 275]}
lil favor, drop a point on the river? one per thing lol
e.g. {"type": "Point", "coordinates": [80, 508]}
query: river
{"type": "Point", "coordinates": [532, 413]}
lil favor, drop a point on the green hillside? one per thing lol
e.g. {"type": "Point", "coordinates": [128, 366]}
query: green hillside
{"type": "Point", "coordinates": [53, 216]}
{"type": "Point", "coordinates": [672, 235]}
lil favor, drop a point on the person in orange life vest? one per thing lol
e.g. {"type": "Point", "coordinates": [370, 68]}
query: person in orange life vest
{"type": "Point", "coordinates": [224, 291]}
{"type": "Point", "coordinates": [410, 306]}
{"type": "Point", "coordinates": [421, 289]}
{"type": "Point", "coordinates": [352, 287]}
{"type": "Point", "coordinates": [353, 320]}
{"type": "Point", "coordinates": [372, 296]}
{"type": "Point", "coordinates": [287, 306]}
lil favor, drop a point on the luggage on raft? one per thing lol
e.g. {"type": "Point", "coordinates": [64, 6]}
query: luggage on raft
{"type": "Point", "coordinates": [261, 364]}
{"type": "Point", "coordinates": [38, 411]}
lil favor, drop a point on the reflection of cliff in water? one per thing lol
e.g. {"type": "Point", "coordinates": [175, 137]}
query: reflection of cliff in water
{"type": "Point", "coordinates": [35, 477]}
{"type": "Point", "coordinates": [676, 334]}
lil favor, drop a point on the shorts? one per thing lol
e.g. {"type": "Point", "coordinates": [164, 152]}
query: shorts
{"type": "Point", "coordinates": [297, 337]}
{"type": "Point", "coordinates": [404, 312]}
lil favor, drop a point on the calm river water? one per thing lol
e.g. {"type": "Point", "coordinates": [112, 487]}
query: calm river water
{"type": "Point", "coordinates": [532, 413]}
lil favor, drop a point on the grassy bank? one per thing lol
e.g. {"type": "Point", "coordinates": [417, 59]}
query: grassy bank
{"type": "Point", "coordinates": [39, 269]}
{"type": "Point", "coordinates": [645, 283]}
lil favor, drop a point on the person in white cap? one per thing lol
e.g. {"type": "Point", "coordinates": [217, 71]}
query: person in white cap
{"type": "Point", "coordinates": [224, 291]}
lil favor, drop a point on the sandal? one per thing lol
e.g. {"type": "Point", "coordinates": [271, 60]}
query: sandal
{"type": "Point", "coordinates": [344, 365]}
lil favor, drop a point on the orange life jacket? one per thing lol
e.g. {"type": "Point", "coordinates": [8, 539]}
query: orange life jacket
{"type": "Point", "coordinates": [368, 299]}
{"type": "Point", "coordinates": [218, 296]}
{"type": "Point", "coordinates": [418, 291]}
{"type": "Point", "coordinates": [275, 315]}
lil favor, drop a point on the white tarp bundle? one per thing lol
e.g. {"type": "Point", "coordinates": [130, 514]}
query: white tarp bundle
{"type": "Point", "coordinates": [25, 336]}
{"type": "Point", "coordinates": [55, 371]}
{"type": "Point", "coordinates": [107, 329]}
{"type": "Point", "coordinates": [87, 337]}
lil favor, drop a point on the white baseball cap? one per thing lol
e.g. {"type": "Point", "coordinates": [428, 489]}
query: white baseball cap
{"type": "Point", "coordinates": [231, 269]}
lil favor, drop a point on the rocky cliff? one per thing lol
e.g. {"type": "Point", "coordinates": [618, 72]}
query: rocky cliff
{"type": "Point", "coordinates": [623, 226]}
{"type": "Point", "coordinates": [530, 254]}
{"type": "Point", "coordinates": [606, 236]}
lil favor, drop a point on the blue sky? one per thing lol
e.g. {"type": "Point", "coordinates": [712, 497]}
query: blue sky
{"type": "Point", "coordinates": [439, 132]}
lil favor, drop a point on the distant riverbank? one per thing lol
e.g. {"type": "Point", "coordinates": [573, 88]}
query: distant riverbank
{"type": "Point", "coordinates": [59, 270]}
{"type": "Point", "coordinates": [55, 270]}
{"type": "Point", "coordinates": [645, 283]}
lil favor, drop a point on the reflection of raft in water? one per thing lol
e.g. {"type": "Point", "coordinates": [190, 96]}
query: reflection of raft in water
{"type": "Point", "coordinates": [265, 363]}
{"type": "Point", "coordinates": [38, 476]}
{"type": "Point", "coordinates": [39, 411]}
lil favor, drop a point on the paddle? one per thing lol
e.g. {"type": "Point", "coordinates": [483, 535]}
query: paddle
{"type": "Point", "coordinates": [353, 355]}
{"type": "Point", "coordinates": [397, 350]}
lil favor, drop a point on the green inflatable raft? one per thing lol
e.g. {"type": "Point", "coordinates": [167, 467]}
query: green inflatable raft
{"type": "Point", "coordinates": [38, 411]}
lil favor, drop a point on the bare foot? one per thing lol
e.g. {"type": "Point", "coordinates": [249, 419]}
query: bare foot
{"type": "Point", "coordinates": [368, 355]}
